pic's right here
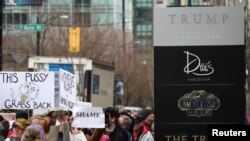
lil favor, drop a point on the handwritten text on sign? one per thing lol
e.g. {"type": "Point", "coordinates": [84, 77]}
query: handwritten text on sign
{"type": "Point", "coordinates": [67, 89]}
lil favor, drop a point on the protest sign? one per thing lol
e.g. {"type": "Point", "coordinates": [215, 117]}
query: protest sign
{"type": "Point", "coordinates": [88, 117]}
{"type": "Point", "coordinates": [27, 90]}
{"type": "Point", "coordinates": [67, 89]}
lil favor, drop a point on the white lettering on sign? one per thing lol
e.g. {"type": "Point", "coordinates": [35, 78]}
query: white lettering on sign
{"type": "Point", "coordinates": [196, 67]}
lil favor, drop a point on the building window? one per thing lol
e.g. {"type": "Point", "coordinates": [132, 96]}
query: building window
{"type": "Point", "coordinates": [144, 14]}
{"type": "Point", "coordinates": [9, 18]}
{"type": "Point", "coordinates": [144, 3]}
{"type": "Point", "coordinates": [144, 30]}
{"type": "Point", "coordinates": [159, 1]}
{"type": "Point", "coordinates": [174, 2]}
{"type": "Point", "coordinates": [96, 84]}
{"type": "Point", "coordinates": [82, 19]}
{"type": "Point", "coordinates": [16, 18]}
{"type": "Point", "coordinates": [24, 19]}
{"type": "Point", "coordinates": [194, 2]}
{"type": "Point", "coordinates": [145, 42]}
{"type": "Point", "coordinates": [82, 3]}
{"type": "Point", "coordinates": [78, 3]}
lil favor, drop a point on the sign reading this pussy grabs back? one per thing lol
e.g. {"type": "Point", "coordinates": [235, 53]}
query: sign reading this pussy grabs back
{"type": "Point", "coordinates": [27, 90]}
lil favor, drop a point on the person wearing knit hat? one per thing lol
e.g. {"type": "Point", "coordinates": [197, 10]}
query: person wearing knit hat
{"type": "Point", "coordinates": [18, 128]}
{"type": "Point", "coordinates": [148, 118]}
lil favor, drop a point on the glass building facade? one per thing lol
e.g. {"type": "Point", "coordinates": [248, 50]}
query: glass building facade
{"type": "Point", "coordinates": [143, 22]}
{"type": "Point", "coordinates": [70, 12]}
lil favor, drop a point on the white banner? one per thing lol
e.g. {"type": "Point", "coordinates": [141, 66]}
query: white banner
{"type": "Point", "coordinates": [88, 117]}
{"type": "Point", "coordinates": [27, 90]}
{"type": "Point", "coordinates": [67, 89]}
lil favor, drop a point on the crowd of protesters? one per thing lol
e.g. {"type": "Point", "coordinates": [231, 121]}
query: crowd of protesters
{"type": "Point", "coordinates": [120, 125]}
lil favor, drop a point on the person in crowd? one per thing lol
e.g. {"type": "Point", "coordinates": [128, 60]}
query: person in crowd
{"type": "Point", "coordinates": [63, 118]}
{"type": "Point", "coordinates": [153, 129]}
{"type": "Point", "coordinates": [113, 129]}
{"type": "Point", "coordinates": [88, 132]}
{"type": "Point", "coordinates": [141, 133]}
{"type": "Point", "coordinates": [4, 128]}
{"type": "Point", "coordinates": [18, 128]}
{"type": "Point", "coordinates": [148, 118]}
{"type": "Point", "coordinates": [2, 138]}
{"type": "Point", "coordinates": [135, 114]}
{"type": "Point", "coordinates": [129, 119]}
{"type": "Point", "coordinates": [125, 122]}
{"type": "Point", "coordinates": [1, 118]}
{"type": "Point", "coordinates": [98, 135]}
{"type": "Point", "coordinates": [40, 129]}
{"type": "Point", "coordinates": [18, 114]}
{"type": "Point", "coordinates": [31, 134]}
{"type": "Point", "coordinates": [77, 134]}
{"type": "Point", "coordinates": [36, 119]}
{"type": "Point", "coordinates": [50, 113]}
{"type": "Point", "coordinates": [46, 122]}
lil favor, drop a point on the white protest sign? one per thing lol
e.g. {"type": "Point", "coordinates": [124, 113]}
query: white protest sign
{"type": "Point", "coordinates": [27, 90]}
{"type": "Point", "coordinates": [67, 89]}
{"type": "Point", "coordinates": [88, 117]}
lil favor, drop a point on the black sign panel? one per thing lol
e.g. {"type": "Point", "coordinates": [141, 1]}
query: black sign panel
{"type": "Point", "coordinates": [200, 104]}
{"type": "Point", "coordinates": [200, 65]}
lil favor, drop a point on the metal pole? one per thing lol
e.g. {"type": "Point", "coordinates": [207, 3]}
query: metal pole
{"type": "Point", "coordinates": [1, 34]}
{"type": "Point", "coordinates": [123, 23]}
{"type": "Point", "coordinates": [38, 39]}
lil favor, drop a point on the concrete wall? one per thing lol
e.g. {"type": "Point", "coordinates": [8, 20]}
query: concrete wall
{"type": "Point", "coordinates": [105, 96]}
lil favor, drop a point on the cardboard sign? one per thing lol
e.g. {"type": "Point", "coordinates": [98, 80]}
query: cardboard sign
{"type": "Point", "coordinates": [27, 90]}
{"type": "Point", "coordinates": [67, 89]}
{"type": "Point", "coordinates": [88, 117]}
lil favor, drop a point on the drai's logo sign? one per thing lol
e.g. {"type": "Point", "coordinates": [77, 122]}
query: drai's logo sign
{"type": "Point", "coordinates": [198, 103]}
{"type": "Point", "coordinates": [196, 67]}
